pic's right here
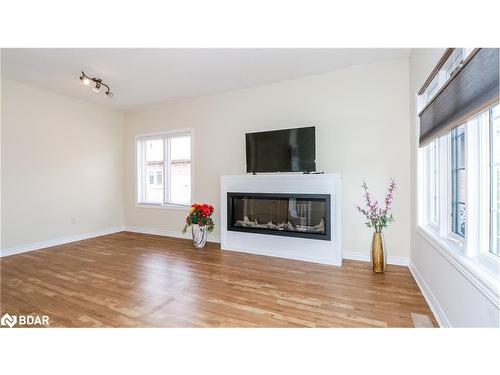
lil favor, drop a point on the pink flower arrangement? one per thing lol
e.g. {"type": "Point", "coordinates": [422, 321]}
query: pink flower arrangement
{"type": "Point", "coordinates": [377, 217]}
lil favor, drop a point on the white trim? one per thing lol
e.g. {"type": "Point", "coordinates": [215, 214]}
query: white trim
{"type": "Point", "coordinates": [429, 297]}
{"type": "Point", "coordinates": [303, 258]}
{"type": "Point", "coordinates": [58, 241]}
{"type": "Point", "coordinates": [166, 169]}
{"type": "Point", "coordinates": [473, 180]}
{"type": "Point", "coordinates": [167, 133]}
{"type": "Point", "coordinates": [484, 281]}
{"type": "Point", "coordinates": [428, 157]}
{"type": "Point", "coordinates": [365, 257]}
{"type": "Point", "coordinates": [166, 206]}
{"type": "Point", "coordinates": [444, 186]}
{"type": "Point", "coordinates": [484, 189]}
{"type": "Point", "coordinates": [351, 255]}
{"type": "Point", "coordinates": [168, 233]}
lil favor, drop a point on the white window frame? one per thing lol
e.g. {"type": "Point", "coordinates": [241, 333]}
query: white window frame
{"type": "Point", "coordinates": [443, 227]}
{"type": "Point", "coordinates": [139, 173]}
{"type": "Point", "coordinates": [428, 171]}
{"type": "Point", "coordinates": [484, 192]}
{"type": "Point", "coordinates": [471, 251]}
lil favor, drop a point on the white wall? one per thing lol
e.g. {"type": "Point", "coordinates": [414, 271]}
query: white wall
{"type": "Point", "coordinates": [62, 158]}
{"type": "Point", "coordinates": [455, 298]}
{"type": "Point", "coordinates": [361, 115]}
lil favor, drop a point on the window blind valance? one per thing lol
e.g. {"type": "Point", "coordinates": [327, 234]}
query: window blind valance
{"type": "Point", "coordinates": [472, 88]}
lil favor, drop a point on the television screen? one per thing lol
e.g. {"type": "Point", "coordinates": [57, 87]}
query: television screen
{"type": "Point", "coordinates": [288, 150]}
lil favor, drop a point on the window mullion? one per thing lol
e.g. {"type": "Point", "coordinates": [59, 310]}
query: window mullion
{"type": "Point", "coordinates": [165, 175]}
{"type": "Point", "coordinates": [491, 245]}
{"type": "Point", "coordinates": [484, 184]}
{"type": "Point", "coordinates": [444, 187]}
{"type": "Point", "coordinates": [472, 162]}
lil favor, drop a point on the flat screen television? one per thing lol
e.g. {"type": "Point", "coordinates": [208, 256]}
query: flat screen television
{"type": "Point", "coordinates": [288, 150]}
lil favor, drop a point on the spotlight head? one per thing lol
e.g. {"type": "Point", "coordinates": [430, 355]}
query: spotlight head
{"type": "Point", "coordinates": [97, 87]}
{"type": "Point", "coordinates": [84, 79]}
{"type": "Point", "coordinates": [110, 94]}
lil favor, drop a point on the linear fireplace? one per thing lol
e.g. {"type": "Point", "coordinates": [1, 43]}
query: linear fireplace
{"type": "Point", "coordinates": [295, 216]}
{"type": "Point", "coordinates": [282, 214]}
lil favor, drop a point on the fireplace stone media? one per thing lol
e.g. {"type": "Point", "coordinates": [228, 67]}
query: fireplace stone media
{"type": "Point", "coordinates": [292, 215]}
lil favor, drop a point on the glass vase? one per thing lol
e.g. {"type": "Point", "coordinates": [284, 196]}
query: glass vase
{"type": "Point", "coordinates": [200, 233]}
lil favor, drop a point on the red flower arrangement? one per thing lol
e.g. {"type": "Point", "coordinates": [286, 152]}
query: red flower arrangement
{"type": "Point", "coordinates": [200, 214]}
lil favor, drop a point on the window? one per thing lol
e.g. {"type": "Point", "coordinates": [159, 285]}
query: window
{"type": "Point", "coordinates": [494, 151]}
{"type": "Point", "coordinates": [458, 182]}
{"type": "Point", "coordinates": [460, 194]}
{"type": "Point", "coordinates": [164, 169]}
{"type": "Point", "coordinates": [459, 163]}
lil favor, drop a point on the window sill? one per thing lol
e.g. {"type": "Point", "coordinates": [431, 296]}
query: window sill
{"type": "Point", "coordinates": [484, 278]}
{"type": "Point", "coordinates": [163, 206]}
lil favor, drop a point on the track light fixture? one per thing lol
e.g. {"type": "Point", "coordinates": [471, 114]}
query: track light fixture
{"type": "Point", "coordinates": [97, 82]}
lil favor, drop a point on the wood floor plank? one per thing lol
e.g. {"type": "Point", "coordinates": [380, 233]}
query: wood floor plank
{"type": "Point", "coordinates": [137, 280]}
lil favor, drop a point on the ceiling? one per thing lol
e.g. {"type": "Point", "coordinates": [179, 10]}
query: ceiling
{"type": "Point", "coordinates": [140, 77]}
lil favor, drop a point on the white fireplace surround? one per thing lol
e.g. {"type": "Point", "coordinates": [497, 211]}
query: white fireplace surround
{"type": "Point", "coordinates": [312, 250]}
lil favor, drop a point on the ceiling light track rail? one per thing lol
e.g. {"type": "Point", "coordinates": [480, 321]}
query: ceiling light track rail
{"type": "Point", "coordinates": [86, 80]}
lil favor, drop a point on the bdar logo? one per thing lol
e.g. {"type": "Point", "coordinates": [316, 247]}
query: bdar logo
{"type": "Point", "coordinates": [8, 320]}
{"type": "Point", "coordinates": [24, 320]}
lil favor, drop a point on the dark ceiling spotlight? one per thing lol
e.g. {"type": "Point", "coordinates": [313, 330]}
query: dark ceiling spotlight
{"type": "Point", "coordinates": [97, 82]}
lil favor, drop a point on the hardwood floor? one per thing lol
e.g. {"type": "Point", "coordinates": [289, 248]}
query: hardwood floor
{"type": "Point", "coordinates": [136, 280]}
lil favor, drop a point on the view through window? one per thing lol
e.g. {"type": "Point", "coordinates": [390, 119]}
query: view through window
{"type": "Point", "coordinates": [458, 180]}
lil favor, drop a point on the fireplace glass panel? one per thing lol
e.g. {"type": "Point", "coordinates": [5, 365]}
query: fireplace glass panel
{"type": "Point", "coordinates": [295, 215]}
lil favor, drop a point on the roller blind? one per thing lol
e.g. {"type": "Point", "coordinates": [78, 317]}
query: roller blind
{"type": "Point", "coordinates": [472, 88]}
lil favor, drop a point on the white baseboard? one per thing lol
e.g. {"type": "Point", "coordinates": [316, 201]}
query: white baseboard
{"type": "Point", "coordinates": [168, 233]}
{"type": "Point", "coordinates": [303, 258]}
{"type": "Point", "coordinates": [365, 257]}
{"type": "Point", "coordinates": [58, 241]}
{"type": "Point", "coordinates": [214, 238]}
{"type": "Point", "coordinates": [429, 297]}
{"type": "Point", "coordinates": [352, 255]}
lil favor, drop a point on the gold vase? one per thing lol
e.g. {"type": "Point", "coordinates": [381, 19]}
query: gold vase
{"type": "Point", "coordinates": [378, 256]}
